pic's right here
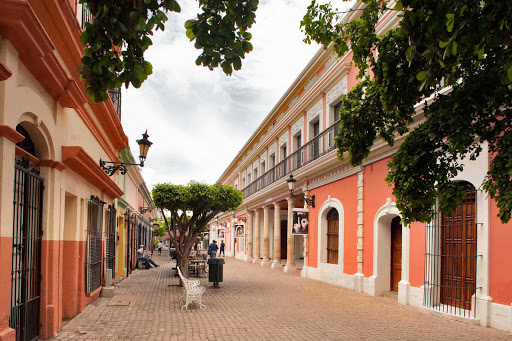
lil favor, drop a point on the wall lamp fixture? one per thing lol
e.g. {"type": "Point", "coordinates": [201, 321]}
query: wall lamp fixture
{"type": "Point", "coordinates": [144, 145]}
{"type": "Point", "coordinates": [310, 200]}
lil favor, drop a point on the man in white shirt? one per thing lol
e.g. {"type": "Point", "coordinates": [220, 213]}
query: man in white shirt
{"type": "Point", "coordinates": [143, 254]}
{"type": "Point", "coordinates": [159, 246]}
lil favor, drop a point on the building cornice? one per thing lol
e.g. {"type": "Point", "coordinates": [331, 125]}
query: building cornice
{"type": "Point", "coordinates": [48, 45]}
{"type": "Point", "coordinates": [84, 165]}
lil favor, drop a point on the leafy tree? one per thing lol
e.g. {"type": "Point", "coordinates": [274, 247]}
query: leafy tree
{"type": "Point", "coordinates": [190, 208]}
{"type": "Point", "coordinates": [452, 56]}
{"type": "Point", "coordinates": [162, 230]}
{"type": "Point", "coordinates": [119, 35]}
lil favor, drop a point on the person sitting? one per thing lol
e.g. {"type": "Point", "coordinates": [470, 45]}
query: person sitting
{"type": "Point", "coordinates": [143, 254]}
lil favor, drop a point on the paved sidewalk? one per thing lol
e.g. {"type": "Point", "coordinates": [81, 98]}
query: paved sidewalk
{"type": "Point", "coordinates": [258, 303]}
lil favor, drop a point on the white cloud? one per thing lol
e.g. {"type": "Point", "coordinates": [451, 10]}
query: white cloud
{"type": "Point", "coordinates": [199, 119]}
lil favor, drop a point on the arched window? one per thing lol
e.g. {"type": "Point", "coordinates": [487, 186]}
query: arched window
{"type": "Point", "coordinates": [332, 236]}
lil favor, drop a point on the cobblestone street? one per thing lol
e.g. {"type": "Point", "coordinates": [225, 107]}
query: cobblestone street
{"type": "Point", "coordinates": [257, 303]}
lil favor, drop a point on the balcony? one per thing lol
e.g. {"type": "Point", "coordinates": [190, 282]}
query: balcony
{"type": "Point", "coordinates": [115, 96]}
{"type": "Point", "coordinates": [320, 145]}
{"type": "Point", "coordinates": [82, 13]}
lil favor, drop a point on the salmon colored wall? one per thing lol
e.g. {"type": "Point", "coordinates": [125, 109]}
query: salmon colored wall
{"type": "Point", "coordinates": [71, 268]}
{"type": "Point", "coordinates": [51, 290]}
{"type": "Point", "coordinates": [6, 333]}
{"type": "Point", "coordinates": [417, 255]}
{"type": "Point", "coordinates": [345, 190]}
{"type": "Point", "coordinates": [500, 258]}
{"type": "Point", "coordinates": [375, 192]}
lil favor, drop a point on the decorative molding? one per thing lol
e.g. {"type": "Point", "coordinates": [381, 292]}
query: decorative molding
{"type": "Point", "coordinates": [272, 149]}
{"type": "Point", "coordinates": [263, 157]}
{"type": "Point", "coordinates": [311, 82]}
{"type": "Point", "coordinates": [52, 164]}
{"type": "Point", "coordinates": [333, 58]}
{"type": "Point", "coordinates": [332, 176]}
{"type": "Point", "coordinates": [84, 165]}
{"type": "Point", "coordinates": [315, 110]}
{"type": "Point", "coordinates": [5, 73]}
{"type": "Point", "coordinates": [284, 138]}
{"type": "Point", "coordinates": [337, 90]}
{"type": "Point", "coordinates": [10, 134]}
{"type": "Point", "coordinates": [294, 101]}
{"type": "Point", "coordinates": [298, 125]}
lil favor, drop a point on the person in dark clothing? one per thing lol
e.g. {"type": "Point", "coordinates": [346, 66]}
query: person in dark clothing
{"type": "Point", "coordinates": [222, 246]}
{"type": "Point", "coordinates": [212, 249]}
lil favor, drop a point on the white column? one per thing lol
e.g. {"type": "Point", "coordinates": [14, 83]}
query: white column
{"type": "Point", "coordinates": [290, 254]}
{"type": "Point", "coordinates": [249, 236]}
{"type": "Point", "coordinates": [257, 239]}
{"type": "Point", "coordinates": [266, 241]}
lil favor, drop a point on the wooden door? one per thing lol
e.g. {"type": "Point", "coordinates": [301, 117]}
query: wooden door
{"type": "Point", "coordinates": [396, 253]}
{"type": "Point", "coordinates": [458, 249]}
{"type": "Point", "coordinates": [284, 239]}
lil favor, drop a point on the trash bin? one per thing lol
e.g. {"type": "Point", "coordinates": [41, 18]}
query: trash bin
{"type": "Point", "coordinates": [215, 271]}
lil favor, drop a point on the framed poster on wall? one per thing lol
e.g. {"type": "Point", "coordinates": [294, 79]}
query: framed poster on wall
{"type": "Point", "coordinates": [300, 221]}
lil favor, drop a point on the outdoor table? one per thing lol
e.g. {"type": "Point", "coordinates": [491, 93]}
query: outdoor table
{"type": "Point", "coordinates": [196, 263]}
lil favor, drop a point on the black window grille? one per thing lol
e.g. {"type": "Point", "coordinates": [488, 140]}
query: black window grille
{"type": "Point", "coordinates": [26, 250]}
{"type": "Point", "coordinates": [111, 238]}
{"type": "Point", "coordinates": [451, 258]}
{"type": "Point", "coordinates": [94, 249]}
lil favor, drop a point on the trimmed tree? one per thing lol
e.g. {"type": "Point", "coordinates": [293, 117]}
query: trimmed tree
{"type": "Point", "coordinates": [190, 208]}
{"type": "Point", "coordinates": [452, 56]}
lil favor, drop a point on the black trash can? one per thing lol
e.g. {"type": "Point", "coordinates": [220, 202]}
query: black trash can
{"type": "Point", "coordinates": [215, 271]}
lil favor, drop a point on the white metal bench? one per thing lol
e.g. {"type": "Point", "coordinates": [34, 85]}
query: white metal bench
{"type": "Point", "coordinates": [193, 291]}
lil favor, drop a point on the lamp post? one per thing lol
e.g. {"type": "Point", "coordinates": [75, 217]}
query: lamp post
{"type": "Point", "coordinates": [144, 145]}
{"type": "Point", "coordinates": [143, 210]}
{"type": "Point", "coordinates": [310, 200]}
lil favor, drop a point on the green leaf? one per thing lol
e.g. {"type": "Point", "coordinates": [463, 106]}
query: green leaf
{"type": "Point", "coordinates": [509, 73]}
{"type": "Point", "coordinates": [190, 35]}
{"type": "Point", "coordinates": [140, 25]}
{"type": "Point", "coordinates": [399, 6]}
{"type": "Point", "coordinates": [443, 44]}
{"type": "Point", "coordinates": [189, 24]}
{"type": "Point", "coordinates": [84, 37]}
{"type": "Point", "coordinates": [450, 21]}
{"type": "Point", "coordinates": [421, 75]}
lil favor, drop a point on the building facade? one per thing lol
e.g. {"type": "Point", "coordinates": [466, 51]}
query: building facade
{"type": "Point", "coordinates": [352, 236]}
{"type": "Point", "coordinates": [58, 208]}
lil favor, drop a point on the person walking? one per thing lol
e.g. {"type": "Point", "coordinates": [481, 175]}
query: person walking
{"type": "Point", "coordinates": [212, 249]}
{"type": "Point", "coordinates": [159, 247]}
{"type": "Point", "coordinates": [222, 246]}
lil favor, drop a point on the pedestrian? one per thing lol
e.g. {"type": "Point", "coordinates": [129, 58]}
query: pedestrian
{"type": "Point", "coordinates": [222, 246]}
{"type": "Point", "coordinates": [212, 249]}
{"type": "Point", "coordinates": [143, 254]}
{"type": "Point", "coordinates": [160, 245]}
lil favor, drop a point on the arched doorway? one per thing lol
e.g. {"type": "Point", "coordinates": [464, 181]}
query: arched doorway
{"type": "Point", "coordinates": [26, 243]}
{"type": "Point", "coordinates": [332, 236]}
{"type": "Point", "coordinates": [396, 254]}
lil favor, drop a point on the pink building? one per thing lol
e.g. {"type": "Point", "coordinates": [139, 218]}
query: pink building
{"type": "Point", "coordinates": [457, 265]}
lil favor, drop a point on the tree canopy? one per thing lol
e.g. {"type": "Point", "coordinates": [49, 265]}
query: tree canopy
{"type": "Point", "coordinates": [190, 208]}
{"type": "Point", "coordinates": [453, 57]}
{"type": "Point", "coordinates": [119, 35]}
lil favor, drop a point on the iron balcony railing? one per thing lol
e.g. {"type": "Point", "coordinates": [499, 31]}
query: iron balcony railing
{"type": "Point", "coordinates": [115, 96]}
{"type": "Point", "coordinates": [82, 13]}
{"type": "Point", "coordinates": [320, 145]}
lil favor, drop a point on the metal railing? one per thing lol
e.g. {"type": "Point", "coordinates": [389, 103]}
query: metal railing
{"type": "Point", "coordinates": [320, 145]}
{"type": "Point", "coordinates": [82, 13]}
{"type": "Point", "coordinates": [115, 96]}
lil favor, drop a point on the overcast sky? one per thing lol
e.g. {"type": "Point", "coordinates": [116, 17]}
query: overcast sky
{"type": "Point", "coordinates": [198, 119]}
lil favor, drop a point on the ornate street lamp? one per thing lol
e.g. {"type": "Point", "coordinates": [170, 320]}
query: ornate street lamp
{"type": "Point", "coordinates": [143, 210]}
{"type": "Point", "coordinates": [144, 145]}
{"type": "Point", "coordinates": [309, 200]}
